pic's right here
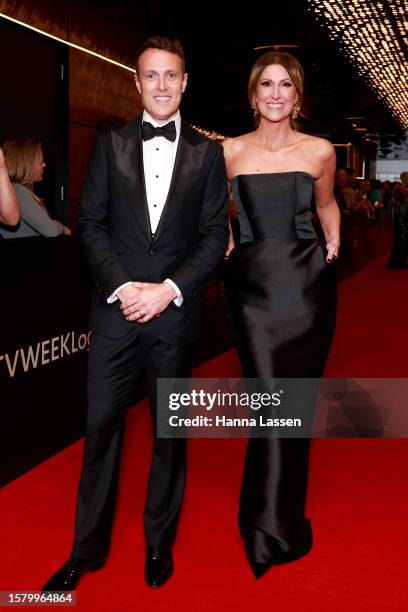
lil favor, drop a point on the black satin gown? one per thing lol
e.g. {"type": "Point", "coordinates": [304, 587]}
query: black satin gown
{"type": "Point", "coordinates": [281, 301]}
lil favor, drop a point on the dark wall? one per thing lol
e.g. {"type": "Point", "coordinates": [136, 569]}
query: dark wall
{"type": "Point", "coordinates": [43, 349]}
{"type": "Point", "coordinates": [97, 89]}
{"type": "Point", "coordinates": [34, 103]}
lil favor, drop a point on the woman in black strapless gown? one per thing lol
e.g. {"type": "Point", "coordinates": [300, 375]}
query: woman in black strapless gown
{"type": "Point", "coordinates": [281, 294]}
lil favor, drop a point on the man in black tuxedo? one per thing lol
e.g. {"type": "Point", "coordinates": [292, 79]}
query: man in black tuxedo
{"type": "Point", "coordinates": [153, 225]}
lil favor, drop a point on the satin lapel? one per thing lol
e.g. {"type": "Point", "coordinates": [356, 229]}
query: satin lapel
{"type": "Point", "coordinates": [128, 153]}
{"type": "Point", "coordinates": [187, 165]}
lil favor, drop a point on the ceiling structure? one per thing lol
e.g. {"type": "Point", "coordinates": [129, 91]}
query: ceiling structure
{"type": "Point", "coordinates": [337, 41]}
{"type": "Point", "coordinates": [373, 36]}
{"type": "Point", "coordinates": [343, 101]}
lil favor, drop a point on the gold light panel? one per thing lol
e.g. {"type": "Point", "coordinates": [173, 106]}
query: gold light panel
{"type": "Point", "coordinates": [374, 37]}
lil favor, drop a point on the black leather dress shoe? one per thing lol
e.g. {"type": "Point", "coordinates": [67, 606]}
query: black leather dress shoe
{"type": "Point", "coordinates": [159, 565]}
{"type": "Point", "coordinates": [68, 576]}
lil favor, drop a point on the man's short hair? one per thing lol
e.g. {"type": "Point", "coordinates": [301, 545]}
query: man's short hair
{"type": "Point", "coordinates": [171, 45]}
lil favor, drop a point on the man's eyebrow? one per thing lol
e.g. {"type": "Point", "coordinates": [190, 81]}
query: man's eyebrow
{"type": "Point", "coordinates": [157, 72]}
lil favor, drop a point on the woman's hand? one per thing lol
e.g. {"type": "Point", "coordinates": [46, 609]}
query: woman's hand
{"type": "Point", "coordinates": [67, 231]}
{"type": "Point", "coordinates": [332, 248]}
{"type": "Point", "coordinates": [230, 247]}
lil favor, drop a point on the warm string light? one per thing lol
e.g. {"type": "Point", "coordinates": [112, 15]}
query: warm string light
{"type": "Point", "coordinates": [210, 134]}
{"type": "Point", "coordinates": [373, 36]}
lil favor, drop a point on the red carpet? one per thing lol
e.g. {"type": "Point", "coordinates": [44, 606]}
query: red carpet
{"type": "Point", "coordinates": [358, 501]}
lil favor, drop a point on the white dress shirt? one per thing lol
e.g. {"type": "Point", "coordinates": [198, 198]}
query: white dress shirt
{"type": "Point", "coordinates": [159, 155]}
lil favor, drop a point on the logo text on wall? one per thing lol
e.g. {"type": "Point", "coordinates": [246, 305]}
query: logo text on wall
{"type": "Point", "coordinates": [44, 352]}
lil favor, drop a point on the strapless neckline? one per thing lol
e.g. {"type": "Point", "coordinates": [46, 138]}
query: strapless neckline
{"type": "Point", "coordinates": [275, 173]}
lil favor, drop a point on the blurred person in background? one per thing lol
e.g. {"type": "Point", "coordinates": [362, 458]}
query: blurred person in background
{"type": "Point", "coordinates": [340, 181]}
{"type": "Point", "coordinates": [9, 210]}
{"type": "Point", "coordinates": [395, 191]}
{"type": "Point", "coordinates": [403, 188]}
{"type": "Point", "coordinates": [375, 195]}
{"type": "Point", "coordinates": [399, 249]}
{"type": "Point", "coordinates": [25, 166]}
{"type": "Point", "coordinates": [386, 193]}
{"type": "Point", "coordinates": [349, 192]}
{"type": "Point", "coordinates": [362, 202]}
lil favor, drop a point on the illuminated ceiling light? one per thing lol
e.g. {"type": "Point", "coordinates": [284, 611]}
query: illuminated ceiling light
{"type": "Point", "coordinates": [276, 47]}
{"type": "Point", "coordinates": [381, 59]}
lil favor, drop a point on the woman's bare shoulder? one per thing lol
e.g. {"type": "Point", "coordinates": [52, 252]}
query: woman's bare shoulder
{"type": "Point", "coordinates": [318, 146]}
{"type": "Point", "coordinates": [238, 143]}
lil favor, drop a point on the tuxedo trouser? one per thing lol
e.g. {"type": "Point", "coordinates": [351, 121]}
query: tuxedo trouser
{"type": "Point", "coordinates": [115, 366]}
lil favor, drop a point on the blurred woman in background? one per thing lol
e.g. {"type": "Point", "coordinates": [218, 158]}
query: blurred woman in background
{"type": "Point", "coordinates": [25, 166]}
{"type": "Point", "coordinates": [399, 250]}
{"type": "Point", "coordinates": [9, 211]}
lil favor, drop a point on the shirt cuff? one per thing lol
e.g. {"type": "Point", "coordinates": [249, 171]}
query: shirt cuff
{"type": "Point", "coordinates": [179, 299]}
{"type": "Point", "coordinates": [112, 298]}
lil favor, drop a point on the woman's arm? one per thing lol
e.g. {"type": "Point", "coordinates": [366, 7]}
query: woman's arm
{"type": "Point", "coordinates": [35, 216]}
{"type": "Point", "coordinates": [326, 205]}
{"type": "Point", "coordinates": [9, 210]}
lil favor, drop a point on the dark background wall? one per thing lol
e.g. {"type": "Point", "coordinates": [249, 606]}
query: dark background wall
{"type": "Point", "coordinates": [97, 89]}
{"type": "Point", "coordinates": [34, 102]}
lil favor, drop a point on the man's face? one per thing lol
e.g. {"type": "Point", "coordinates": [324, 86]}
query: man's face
{"type": "Point", "coordinates": [161, 83]}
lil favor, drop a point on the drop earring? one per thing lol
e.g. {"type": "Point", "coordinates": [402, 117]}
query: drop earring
{"type": "Point", "coordinates": [295, 110]}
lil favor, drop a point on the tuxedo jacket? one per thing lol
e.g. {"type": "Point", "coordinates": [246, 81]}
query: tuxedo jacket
{"type": "Point", "coordinates": [114, 228]}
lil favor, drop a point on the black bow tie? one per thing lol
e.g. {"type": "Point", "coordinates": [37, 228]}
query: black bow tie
{"type": "Point", "coordinates": [168, 131]}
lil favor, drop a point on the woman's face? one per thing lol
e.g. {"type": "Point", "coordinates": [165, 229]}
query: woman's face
{"type": "Point", "coordinates": [275, 93]}
{"type": "Point", "coordinates": [39, 168]}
